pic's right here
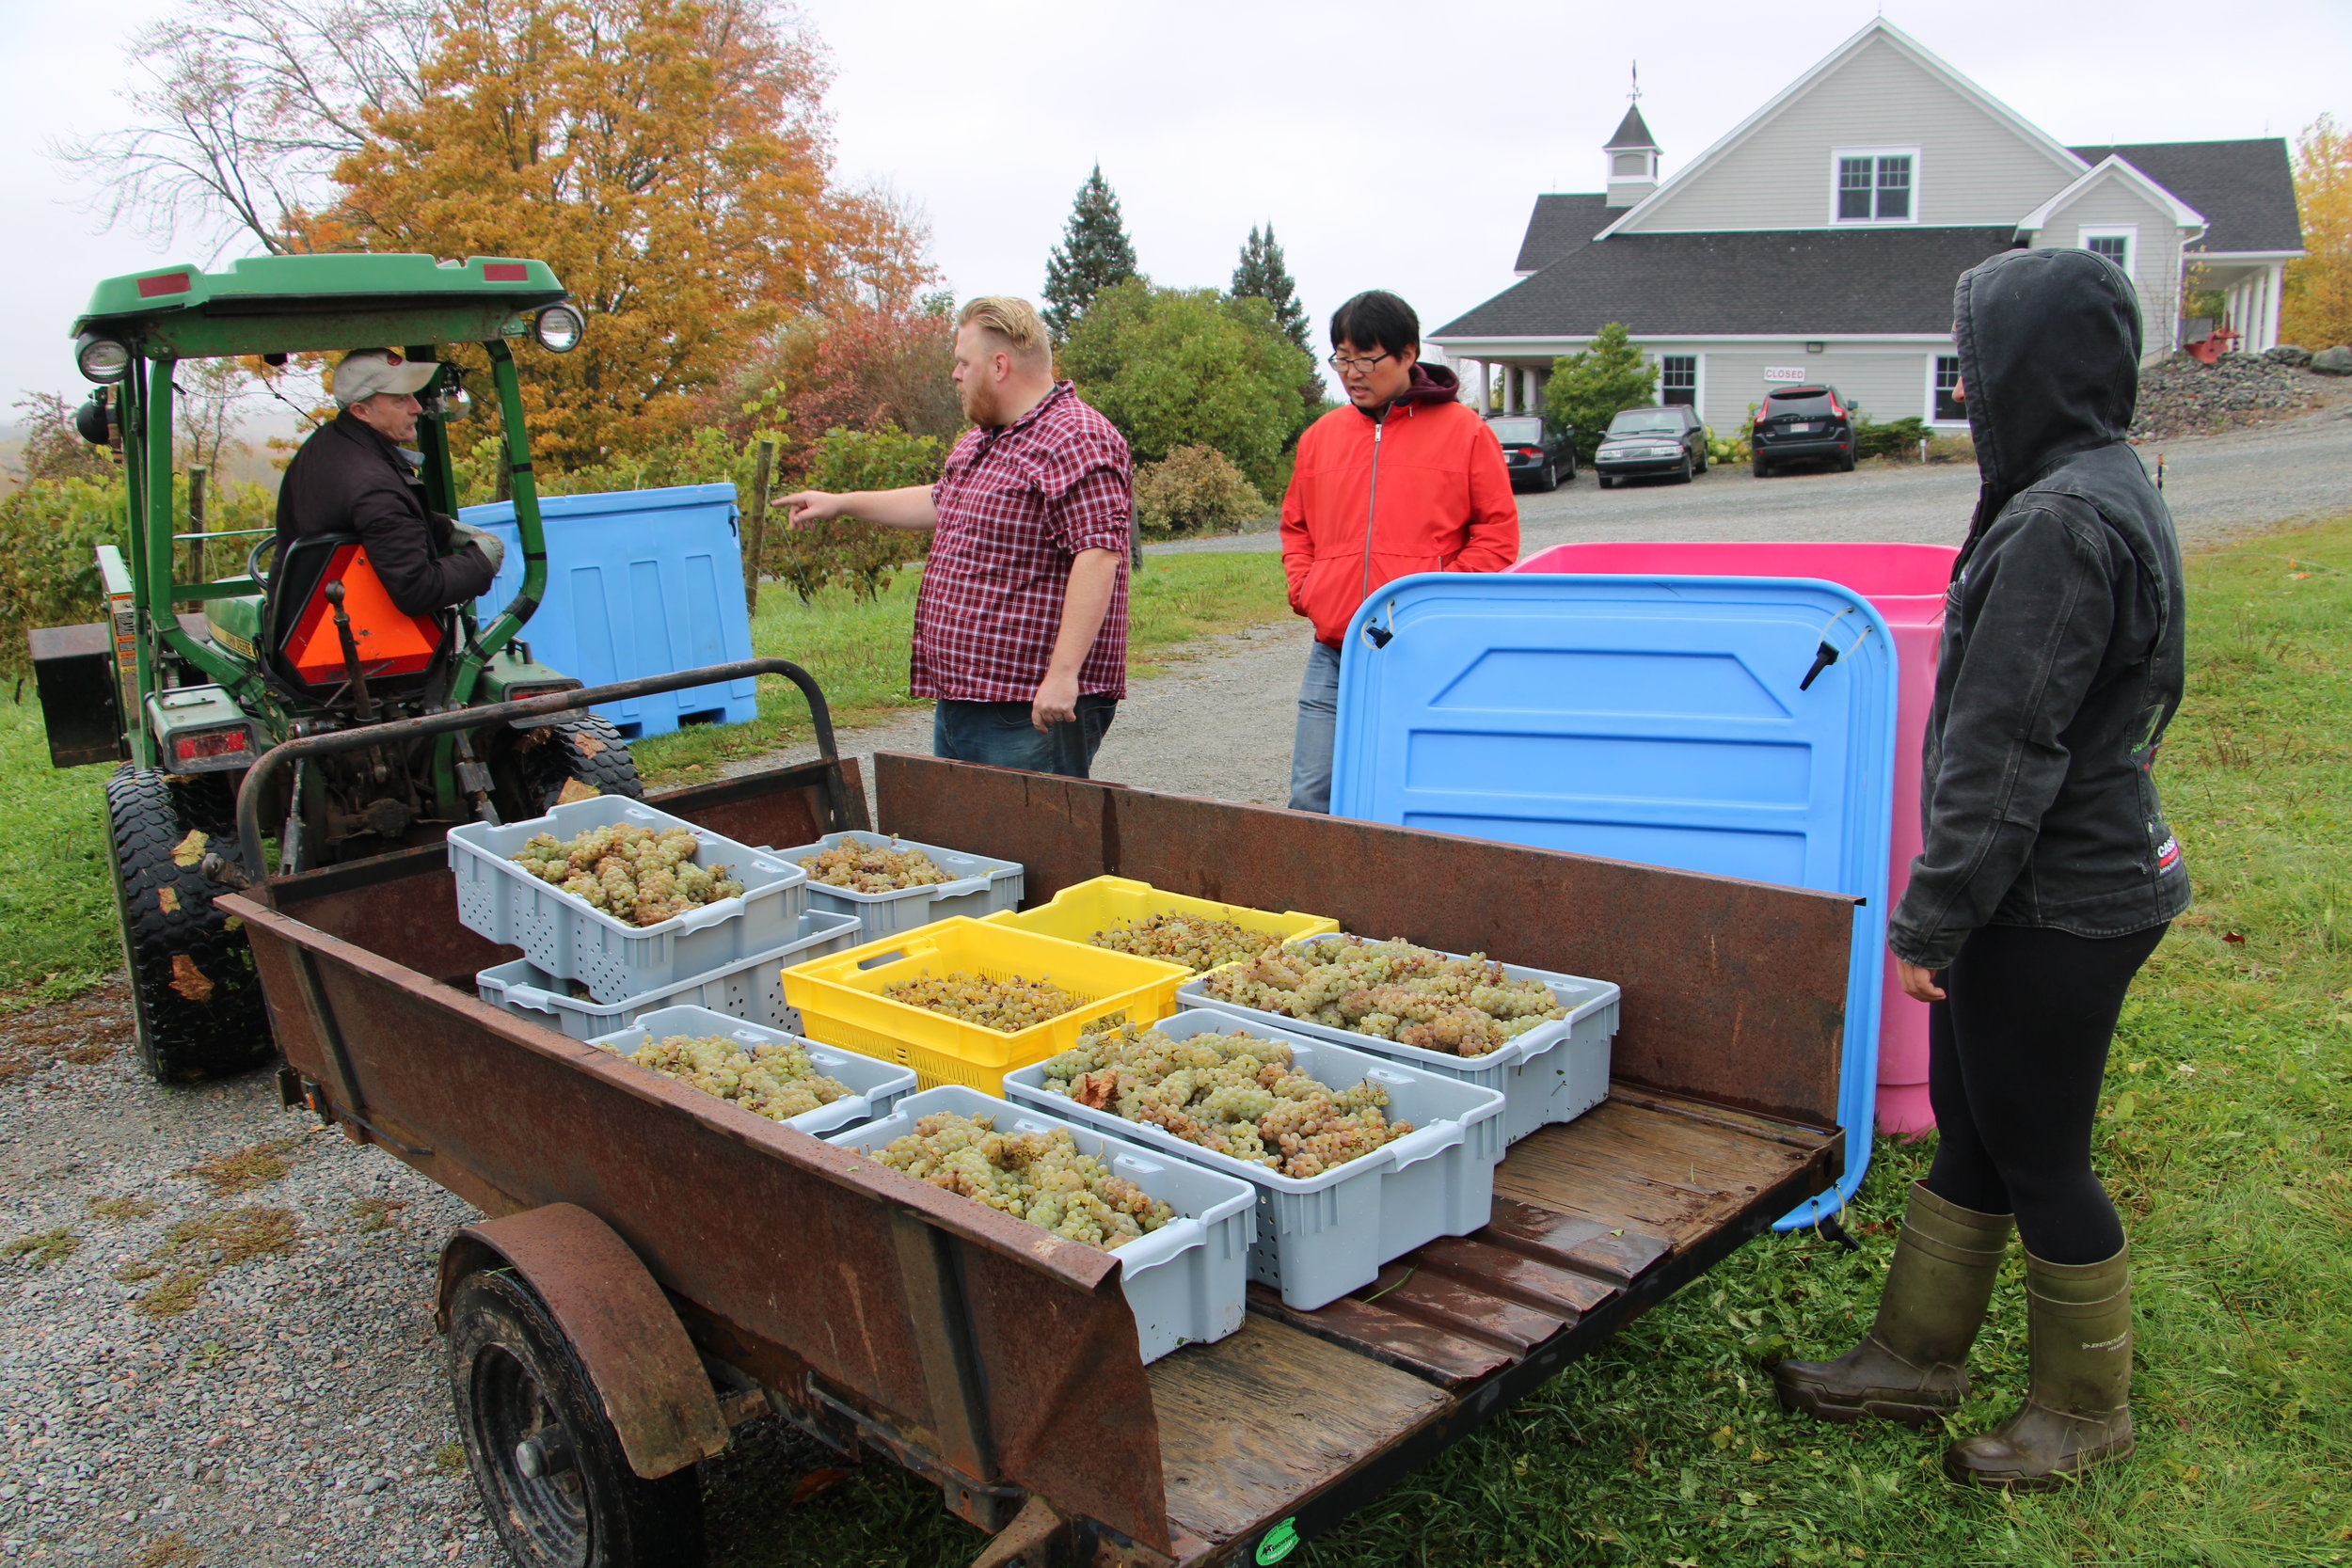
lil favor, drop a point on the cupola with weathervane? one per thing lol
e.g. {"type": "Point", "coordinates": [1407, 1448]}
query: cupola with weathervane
{"type": "Point", "coordinates": [1632, 160]}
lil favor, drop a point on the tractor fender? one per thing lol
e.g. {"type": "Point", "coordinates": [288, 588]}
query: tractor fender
{"type": "Point", "coordinates": [629, 1338]}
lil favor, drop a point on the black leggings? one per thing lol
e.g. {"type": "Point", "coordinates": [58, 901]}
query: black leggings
{"type": "Point", "coordinates": [2015, 1056]}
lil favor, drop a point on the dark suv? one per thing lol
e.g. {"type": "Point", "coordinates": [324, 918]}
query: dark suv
{"type": "Point", "coordinates": [1668, 442]}
{"type": "Point", "coordinates": [1535, 449]}
{"type": "Point", "coordinates": [1802, 424]}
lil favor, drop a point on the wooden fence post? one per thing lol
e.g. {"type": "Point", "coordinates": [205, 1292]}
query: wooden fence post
{"type": "Point", "coordinates": [755, 545]}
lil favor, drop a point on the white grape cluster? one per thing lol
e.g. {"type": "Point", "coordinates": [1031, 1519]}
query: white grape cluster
{"type": "Point", "coordinates": [1197, 942]}
{"type": "Point", "coordinates": [635, 873]}
{"type": "Point", "coordinates": [1007, 1005]}
{"type": "Point", "coordinates": [1392, 990]}
{"type": "Point", "coordinates": [1235, 1093]}
{"type": "Point", "coordinates": [1039, 1177]}
{"type": "Point", "coordinates": [773, 1079]}
{"type": "Point", "coordinates": [863, 867]}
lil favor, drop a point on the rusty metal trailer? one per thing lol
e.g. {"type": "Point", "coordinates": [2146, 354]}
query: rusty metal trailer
{"type": "Point", "coordinates": [657, 1266]}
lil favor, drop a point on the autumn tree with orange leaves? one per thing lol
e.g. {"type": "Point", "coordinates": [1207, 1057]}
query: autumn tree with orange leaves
{"type": "Point", "coordinates": [2316, 308]}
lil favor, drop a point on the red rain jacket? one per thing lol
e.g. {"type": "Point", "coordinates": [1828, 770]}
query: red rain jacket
{"type": "Point", "coordinates": [1422, 489]}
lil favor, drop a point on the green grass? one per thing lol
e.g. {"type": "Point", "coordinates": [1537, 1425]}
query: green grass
{"type": "Point", "coordinates": [858, 651]}
{"type": "Point", "coordinates": [57, 918]}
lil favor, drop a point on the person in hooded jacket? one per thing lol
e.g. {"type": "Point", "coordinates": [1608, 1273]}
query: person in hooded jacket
{"type": "Point", "coordinates": [2047, 878]}
{"type": "Point", "coordinates": [1403, 479]}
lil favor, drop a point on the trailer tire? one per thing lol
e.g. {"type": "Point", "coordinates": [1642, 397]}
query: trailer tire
{"type": "Point", "coordinates": [196, 1001]}
{"type": "Point", "coordinates": [514, 1377]}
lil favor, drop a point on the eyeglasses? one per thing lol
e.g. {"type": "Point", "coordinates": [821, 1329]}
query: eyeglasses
{"type": "Point", "coordinates": [1345, 366]}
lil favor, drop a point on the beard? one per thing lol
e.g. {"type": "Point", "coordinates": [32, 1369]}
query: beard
{"type": "Point", "coordinates": [981, 404]}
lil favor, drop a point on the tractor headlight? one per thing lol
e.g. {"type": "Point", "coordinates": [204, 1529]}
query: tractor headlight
{"type": "Point", "coordinates": [101, 359]}
{"type": "Point", "coordinates": [558, 328]}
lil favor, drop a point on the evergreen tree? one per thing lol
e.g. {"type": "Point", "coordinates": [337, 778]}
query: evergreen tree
{"type": "Point", "coordinates": [1588, 389]}
{"type": "Point", "coordinates": [1264, 272]}
{"type": "Point", "coordinates": [1095, 253]}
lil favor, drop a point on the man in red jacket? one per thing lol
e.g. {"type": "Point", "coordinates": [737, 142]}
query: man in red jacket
{"type": "Point", "coordinates": [1403, 480]}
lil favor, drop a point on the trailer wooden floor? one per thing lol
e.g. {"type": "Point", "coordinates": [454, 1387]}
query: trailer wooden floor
{"type": "Point", "coordinates": [1302, 1416]}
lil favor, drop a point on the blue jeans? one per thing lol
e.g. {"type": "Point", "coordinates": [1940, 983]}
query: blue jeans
{"type": "Point", "coordinates": [1318, 718]}
{"type": "Point", "coordinates": [1001, 736]}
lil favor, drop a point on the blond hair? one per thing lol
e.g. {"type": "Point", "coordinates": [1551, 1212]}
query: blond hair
{"type": "Point", "coordinates": [1013, 320]}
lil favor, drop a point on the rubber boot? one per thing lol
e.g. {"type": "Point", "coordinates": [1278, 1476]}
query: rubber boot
{"type": "Point", "coordinates": [1910, 1367]}
{"type": "Point", "coordinates": [2078, 1413]}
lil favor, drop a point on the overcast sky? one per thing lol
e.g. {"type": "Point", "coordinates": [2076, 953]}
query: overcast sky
{"type": "Point", "coordinates": [1390, 145]}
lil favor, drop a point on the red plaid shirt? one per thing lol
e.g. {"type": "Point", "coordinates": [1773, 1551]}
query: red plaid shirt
{"type": "Point", "coordinates": [1016, 505]}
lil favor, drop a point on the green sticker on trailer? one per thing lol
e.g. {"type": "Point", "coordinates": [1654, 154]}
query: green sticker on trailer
{"type": "Point", "coordinates": [1277, 1542]}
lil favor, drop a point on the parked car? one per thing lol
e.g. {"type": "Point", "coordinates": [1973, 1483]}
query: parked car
{"type": "Point", "coordinates": [1648, 442]}
{"type": "Point", "coordinates": [1537, 449]}
{"type": "Point", "coordinates": [1802, 424]}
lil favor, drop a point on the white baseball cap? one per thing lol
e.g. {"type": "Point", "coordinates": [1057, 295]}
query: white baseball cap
{"type": "Point", "coordinates": [367, 371]}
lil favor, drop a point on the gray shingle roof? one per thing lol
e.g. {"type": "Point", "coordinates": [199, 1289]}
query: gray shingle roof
{"type": "Point", "coordinates": [2246, 189]}
{"type": "Point", "coordinates": [1803, 282]}
{"type": "Point", "coordinates": [1559, 224]}
{"type": "Point", "coordinates": [1632, 131]}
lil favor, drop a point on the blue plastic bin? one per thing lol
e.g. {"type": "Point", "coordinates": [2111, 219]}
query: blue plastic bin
{"type": "Point", "coordinates": [1652, 719]}
{"type": "Point", "coordinates": [640, 582]}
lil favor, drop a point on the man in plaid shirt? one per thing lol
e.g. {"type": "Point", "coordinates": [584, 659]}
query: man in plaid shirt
{"type": "Point", "coordinates": [1021, 625]}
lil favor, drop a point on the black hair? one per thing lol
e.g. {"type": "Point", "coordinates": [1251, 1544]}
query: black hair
{"type": "Point", "coordinates": [1377, 319]}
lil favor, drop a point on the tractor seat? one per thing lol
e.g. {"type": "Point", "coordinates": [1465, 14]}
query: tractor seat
{"type": "Point", "coordinates": [398, 651]}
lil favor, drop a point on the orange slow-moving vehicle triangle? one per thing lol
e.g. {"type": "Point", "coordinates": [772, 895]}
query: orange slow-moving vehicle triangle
{"type": "Point", "coordinates": [390, 641]}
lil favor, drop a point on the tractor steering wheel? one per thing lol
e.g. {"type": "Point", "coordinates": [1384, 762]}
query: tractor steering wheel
{"type": "Point", "coordinates": [253, 558]}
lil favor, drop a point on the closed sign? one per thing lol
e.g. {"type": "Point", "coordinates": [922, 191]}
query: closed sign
{"type": "Point", "coordinates": [1784, 372]}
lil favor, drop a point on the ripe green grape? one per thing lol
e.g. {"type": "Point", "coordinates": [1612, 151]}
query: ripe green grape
{"type": "Point", "coordinates": [1197, 942]}
{"type": "Point", "coordinates": [1039, 1177]}
{"type": "Point", "coordinates": [1009, 1005]}
{"type": "Point", "coordinates": [774, 1078]}
{"type": "Point", "coordinates": [863, 867]}
{"type": "Point", "coordinates": [1392, 990]}
{"type": "Point", "coordinates": [641, 875]}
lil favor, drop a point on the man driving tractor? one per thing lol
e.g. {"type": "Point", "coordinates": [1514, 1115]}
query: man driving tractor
{"type": "Point", "coordinates": [352, 476]}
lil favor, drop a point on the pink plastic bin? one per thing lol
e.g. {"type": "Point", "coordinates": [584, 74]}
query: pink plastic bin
{"type": "Point", "coordinates": [1906, 583]}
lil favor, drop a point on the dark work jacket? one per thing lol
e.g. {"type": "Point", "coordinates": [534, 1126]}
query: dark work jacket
{"type": "Point", "coordinates": [348, 479]}
{"type": "Point", "coordinates": [2062, 649]}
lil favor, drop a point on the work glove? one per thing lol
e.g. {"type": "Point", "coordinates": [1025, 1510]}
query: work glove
{"type": "Point", "coordinates": [493, 549]}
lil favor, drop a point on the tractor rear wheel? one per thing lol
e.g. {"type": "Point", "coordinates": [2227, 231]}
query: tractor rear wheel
{"type": "Point", "coordinates": [195, 998]}
{"type": "Point", "coordinates": [541, 762]}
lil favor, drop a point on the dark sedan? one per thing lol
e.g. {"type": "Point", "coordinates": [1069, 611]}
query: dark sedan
{"type": "Point", "coordinates": [1642, 443]}
{"type": "Point", "coordinates": [1538, 451]}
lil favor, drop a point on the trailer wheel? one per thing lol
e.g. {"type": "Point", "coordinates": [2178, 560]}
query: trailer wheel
{"type": "Point", "coordinates": [546, 1460]}
{"type": "Point", "coordinates": [195, 999]}
{"type": "Point", "coordinates": [542, 760]}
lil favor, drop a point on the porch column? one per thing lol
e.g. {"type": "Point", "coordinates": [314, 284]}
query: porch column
{"type": "Point", "coordinates": [1529, 402]}
{"type": "Point", "coordinates": [2277, 299]}
{"type": "Point", "coordinates": [1484, 402]}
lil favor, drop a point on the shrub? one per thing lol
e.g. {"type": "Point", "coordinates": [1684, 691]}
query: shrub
{"type": "Point", "coordinates": [1894, 438]}
{"type": "Point", "coordinates": [1194, 489]}
{"type": "Point", "coordinates": [1588, 389]}
{"type": "Point", "coordinates": [858, 555]}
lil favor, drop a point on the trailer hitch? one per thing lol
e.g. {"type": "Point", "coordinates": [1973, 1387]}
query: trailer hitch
{"type": "Point", "coordinates": [458, 721]}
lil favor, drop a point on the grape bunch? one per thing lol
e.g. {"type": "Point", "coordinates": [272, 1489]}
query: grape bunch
{"type": "Point", "coordinates": [633, 873]}
{"type": "Point", "coordinates": [1392, 990]}
{"type": "Point", "coordinates": [1195, 941]}
{"type": "Point", "coordinates": [1039, 1177]}
{"type": "Point", "coordinates": [1233, 1093]}
{"type": "Point", "coordinates": [1008, 1006]}
{"type": "Point", "coordinates": [863, 867]}
{"type": "Point", "coordinates": [773, 1079]}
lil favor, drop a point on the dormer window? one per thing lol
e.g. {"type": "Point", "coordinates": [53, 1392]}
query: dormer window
{"type": "Point", "coordinates": [1630, 165]}
{"type": "Point", "coordinates": [1874, 184]}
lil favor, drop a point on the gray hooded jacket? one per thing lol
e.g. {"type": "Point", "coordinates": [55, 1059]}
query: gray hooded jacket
{"type": "Point", "coordinates": [2063, 646]}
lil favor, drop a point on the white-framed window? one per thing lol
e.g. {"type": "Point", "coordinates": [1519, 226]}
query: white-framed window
{"type": "Point", "coordinates": [1943, 403]}
{"type": "Point", "coordinates": [1630, 165]}
{"type": "Point", "coordinates": [1679, 379]}
{"type": "Point", "coordinates": [1874, 184]}
{"type": "Point", "coordinates": [2118, 243]}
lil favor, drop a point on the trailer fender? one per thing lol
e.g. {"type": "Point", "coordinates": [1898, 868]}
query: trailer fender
{"type": "Point", "coordinates": [627, 1337]}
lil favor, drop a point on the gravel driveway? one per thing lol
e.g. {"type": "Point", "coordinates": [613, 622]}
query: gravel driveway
{"type": "Point", "coordinates": [215, 1343]}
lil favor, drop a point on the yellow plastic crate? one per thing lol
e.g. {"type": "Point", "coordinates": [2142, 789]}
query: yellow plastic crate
{"type": "Point", "coordinates": [841, 1002]}
{"type": "Point", "coordinates": [1082, 909]}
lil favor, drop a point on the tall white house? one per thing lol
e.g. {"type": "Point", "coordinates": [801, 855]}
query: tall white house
{"type": "Point", "coordinates": [1820, 239]}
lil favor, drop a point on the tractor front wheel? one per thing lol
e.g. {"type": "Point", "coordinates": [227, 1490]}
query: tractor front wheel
{"type": "Point", "coordinates": [195, 998]}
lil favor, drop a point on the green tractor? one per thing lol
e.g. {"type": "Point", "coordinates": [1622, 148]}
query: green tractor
{"type": "Point", "coordinates": [188, 683]}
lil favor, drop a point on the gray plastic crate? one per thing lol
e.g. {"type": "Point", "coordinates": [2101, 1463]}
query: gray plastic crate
{"type": "Point", "coordinates": [573, 940]}
{"type": "Point", "coordinates": [875, 1087]}
{"type": "Point", "coordinates": [1554, 1072]}
{"type": "Point", "coordinates": [981, 886]}
{"type": "Point", "coordinates": [1320, 1237]}
{"type": "Point", "coordinates": [1185, 1281]}
{"type": "Point", "coordinates": [751, 990]}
